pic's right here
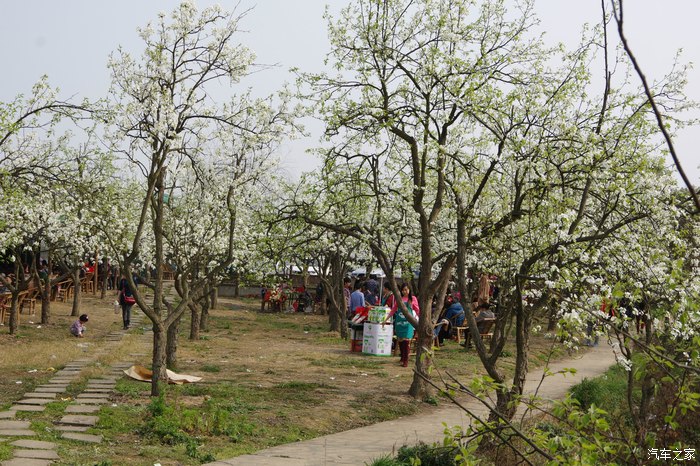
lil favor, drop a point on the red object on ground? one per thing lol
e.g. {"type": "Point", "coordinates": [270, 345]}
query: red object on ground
{"type": "Point", "coordinates": [356, 346]}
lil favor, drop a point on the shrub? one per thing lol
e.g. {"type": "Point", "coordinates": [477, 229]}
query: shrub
{"type": "Point", "coordinates": [427, 455]}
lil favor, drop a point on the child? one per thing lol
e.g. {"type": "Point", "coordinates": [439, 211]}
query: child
{"type": "Point", "coordinates": [78, 327]}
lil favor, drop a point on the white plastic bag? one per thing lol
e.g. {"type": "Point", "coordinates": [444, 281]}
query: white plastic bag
{"type": "Point", "coordinates": [116, 307]}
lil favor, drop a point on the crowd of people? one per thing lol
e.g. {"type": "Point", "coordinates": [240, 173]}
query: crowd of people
{"type": "Point", "coordinates": [366, 293]}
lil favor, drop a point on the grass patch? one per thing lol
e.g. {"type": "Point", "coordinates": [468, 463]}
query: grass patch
{"type": "Point", "coordinates": [360, 362]}
{"type": "Point", "coordinates": [210, 368]}
{"type": "Point", "coordinates": [131, 388]}
{"type": "Point", "coordinates": [5, 451]}
{"type": "Point", "coordinates": [606, 391]}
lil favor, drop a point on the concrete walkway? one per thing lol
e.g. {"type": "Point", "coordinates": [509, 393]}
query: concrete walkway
{"type": "Point", "coordinates": [365, 444]}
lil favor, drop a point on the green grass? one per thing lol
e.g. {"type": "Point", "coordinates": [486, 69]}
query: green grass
{"type": "Point", "coordinates": [359, 362]}
{"type": "Point", "coordinates": [210, 368]}
{"type": "Point", "coordinates": [607, 391]}
{"type": "Point", "coordinates": [5, 451]}
{"type": "Point", "coordinates": [129, 387]}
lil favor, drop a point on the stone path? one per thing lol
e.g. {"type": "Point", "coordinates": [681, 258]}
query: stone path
{"type": "Point", "coordinates": [365, 444]}
{"type": "Point", "coordinates": [81, 415]}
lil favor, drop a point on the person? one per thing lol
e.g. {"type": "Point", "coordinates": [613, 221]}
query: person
{"type": "Point", "coordinates": [126, 300]}
{"type": "Point", "coordinates": [357, 298]}
{"type": "Point", "coordinates": [373, 284]}
{"type": "Point", "coordinates": [78, 327]}
{"type": "Point", "coordinates": [453, 317]}
{"type": "Point", "coordinates": [484, 291]}
{"type": "Point", "coordinates": [402, 327]}
{"type": "Point", "coordinates": [371, 297]}
{"type": "Point", "coordinates": [387, 296]}
{"type": "Point", "coordinates": [4, 281]}
{"type": "Point", "coordinates": [481, 314]}
{"type": "Point", "coordinates": [346, 294]}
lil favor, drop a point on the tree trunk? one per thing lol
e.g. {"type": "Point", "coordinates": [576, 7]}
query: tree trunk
{"type": "Point", "coordinates": [103, 294]}
{"type": "Point", "coordinates": [75, 278]}
{"type": "Point", "coordinates": [45, 294]}
{"type": "Point", "coordinates": [507, 403]}
{"type": "Point", "coordinates": [204, 315]}
{"type": "Point", "coordinates": [323, 302]}
{"type": "Point", "coordinates": [159, 358]}
{"type": "Point", "coordinates": [552, 311]}
{"type": "Point", "coordinates": [171, 346]}
{"type": "Point", "coordinates": [194, 322]}
{"type": "Point", "coordinates": [420, 388]}
{"type": "Point", "coordinates": [14, 312]}
{"type": "Point", "coordinates": [214, 297]}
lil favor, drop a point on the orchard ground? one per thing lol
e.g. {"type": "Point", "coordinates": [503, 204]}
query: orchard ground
{"type": "Point", "coordinates": [268, 379]}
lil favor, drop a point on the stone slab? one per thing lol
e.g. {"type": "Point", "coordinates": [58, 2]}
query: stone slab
{"type": "Point", "coordinates": [77, 420]}
{"type": "Point", "coordinates": [17, 432]}
{"type": "Point", "coordinates": [92, 401]}
{"type": "Point", "coordinates": [14, 424]}
{"type": "Point", "coordinates": [28, 408]}
{"type": "Point", "coordinates": [56, 389]}
{"type": "Point", "coordinates": [26, 462]}
{"type": "Point", "coordinates": [38, 454]}
{"type": "Point", "coordinates": [98, 390]}
{"type": "Point", "coordinates": [61, 381]}
{"type": "Point", "coordinates": [82, 409]}
{"type": "Point", "coordinates": [45, 396]}
{"type": "Point", "coordinates": [92, 395]}
{"type": "Point", "coordinates": [34, 401]}
{"type": "Point", "coordinates": [71, 428]}
{"type": "Point", "coordinates": [89, 438]}
{"type": "Point", "coordinates": [7, 414]}
{"type": "Point", "coordinates": [34, 444]}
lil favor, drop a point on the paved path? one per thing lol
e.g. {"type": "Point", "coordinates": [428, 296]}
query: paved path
{"type": "Point", "coordinates": [363, 445]}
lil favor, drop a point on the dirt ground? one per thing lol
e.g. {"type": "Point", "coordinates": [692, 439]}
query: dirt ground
{"type": "Point", "coordinates": [284, 377]}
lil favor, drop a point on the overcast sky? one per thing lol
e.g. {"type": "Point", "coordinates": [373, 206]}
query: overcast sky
{"type": "Point", "coordinates": [70, 40]}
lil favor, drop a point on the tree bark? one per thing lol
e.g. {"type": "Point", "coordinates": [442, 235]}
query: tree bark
{"type": "Point", "coordinates": [204, 315]}
{"type": "Point", "coordinates": [14, 312]}
{"type": "Point", "coordinates": [159, 358]}
{"type": "Point", "coordinates": [171, 346]}
{"type": "Point", "coordinates": [194, 322]}
{"type": "Point", "coordinates": [75, 278]}
{"type": "Point", "coordinates": [214, 297]}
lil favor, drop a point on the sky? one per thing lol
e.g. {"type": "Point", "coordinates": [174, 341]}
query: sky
{"type": "Point", "coordinates": [70, 41]}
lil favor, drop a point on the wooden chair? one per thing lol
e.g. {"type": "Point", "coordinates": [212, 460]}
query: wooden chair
{"type": "Point", "coordinates": [29, 301]}
{"type": "Point", "coordinates": [462, 333]}
{"type": "Point", "coordinates": [87, 283]}
{"type": "Point", "coordinates": [64, 290]}
{"type": "Point", "coordinates": [4, 307]}
{"type": "Point", "coordinates": [485, 329]}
